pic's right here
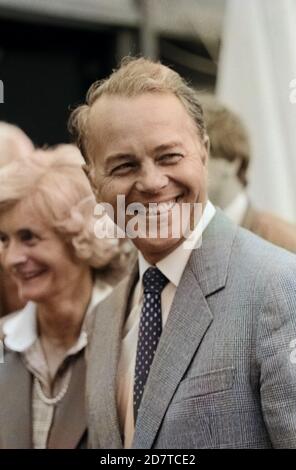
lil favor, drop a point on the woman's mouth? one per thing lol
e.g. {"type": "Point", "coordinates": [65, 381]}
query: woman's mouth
{"type": "Point", "coordinates": [29, 275]}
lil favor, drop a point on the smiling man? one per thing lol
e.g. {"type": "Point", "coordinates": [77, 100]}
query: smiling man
{"type": "Point", "coordinates": [192, 350]}
{"type": "Point", "coordinates": [162, 147]}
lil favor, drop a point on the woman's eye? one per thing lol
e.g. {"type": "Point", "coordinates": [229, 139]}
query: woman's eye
{"type": "Point", "coordinates": [27, 236]}
{"type": "Point", "coordinates": [3, 239]}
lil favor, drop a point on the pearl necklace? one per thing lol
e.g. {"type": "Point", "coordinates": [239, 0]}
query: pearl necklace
{"type": "Point", "coordinates": [52, 401]}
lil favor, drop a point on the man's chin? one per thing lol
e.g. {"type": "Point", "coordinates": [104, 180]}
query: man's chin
{"type": "Point", "coordinates": [155, 249]}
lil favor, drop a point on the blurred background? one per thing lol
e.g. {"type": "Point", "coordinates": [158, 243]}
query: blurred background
{"type": "Point", "coordinates": [244, 51]}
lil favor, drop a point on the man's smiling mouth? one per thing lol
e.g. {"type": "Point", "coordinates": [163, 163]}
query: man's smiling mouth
{"type": "Point", "coordinates": [154, 208]}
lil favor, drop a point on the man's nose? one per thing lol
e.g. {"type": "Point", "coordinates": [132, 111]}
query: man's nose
{"type": "Point", "coordinates": [151, 179]}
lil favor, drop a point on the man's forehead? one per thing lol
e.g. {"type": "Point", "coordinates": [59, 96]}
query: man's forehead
{"type": "Point", "coordinates": [146, 99]}
{"type": "Point", "coordinates": [153, 108]}
{"type": "Point", "coordinates": [100, 113]}
{"type": "Point", "coordinates": [129, 125]}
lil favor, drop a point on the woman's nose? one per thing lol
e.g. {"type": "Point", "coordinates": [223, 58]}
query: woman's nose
{"type": "Point", "coordinates": [13, 255]}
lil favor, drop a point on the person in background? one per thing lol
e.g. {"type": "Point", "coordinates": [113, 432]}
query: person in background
{"type": "Point", "coordinates": [193, 349]}
{"type": "Point", "coordinates": [230, 156]}
{"type": "Point", "coordinates": [14, 143]}
{"type": "Point", "coordinates": [60, 268]}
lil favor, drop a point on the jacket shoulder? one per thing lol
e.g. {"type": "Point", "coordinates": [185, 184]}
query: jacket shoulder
{"type": "Point", "coordinates": [274, 229]}
{"type": "Point", "coordinates": [254, 254]}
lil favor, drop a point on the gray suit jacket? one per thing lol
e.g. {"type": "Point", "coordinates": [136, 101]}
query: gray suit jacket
{"type": "Point", "coordinates": [222, 375]}
{"type": "Point", "coordinates": [68, 430]}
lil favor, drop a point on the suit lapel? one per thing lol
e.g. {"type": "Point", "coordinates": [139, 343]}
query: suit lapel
{"type": "Point", "coordinates": [102, 372]}
{"type": "Point", "coordinates": [69, 424]}
{"type": "Point", "coordinates": [188, 321]}
{"type": "Point", "coordinates": [15, 414]}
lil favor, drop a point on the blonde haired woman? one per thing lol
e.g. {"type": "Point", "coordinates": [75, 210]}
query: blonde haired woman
{"type": "Point", "coordinates": [47, 243]}
{"type": "Point", "coordinates": [14, 144]}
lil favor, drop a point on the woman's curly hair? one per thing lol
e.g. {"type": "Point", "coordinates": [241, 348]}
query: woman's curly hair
{"type": "Point", "coordinates": [53, 182]}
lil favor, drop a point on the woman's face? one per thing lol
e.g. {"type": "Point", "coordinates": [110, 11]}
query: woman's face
{"type": "Point", "coordinates": [40, 262]}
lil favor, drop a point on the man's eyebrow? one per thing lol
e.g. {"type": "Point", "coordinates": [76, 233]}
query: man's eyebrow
{"type": "Point", "coordinates": [115, 158]}
{"type": "Point", "coordinates": [168, 146]}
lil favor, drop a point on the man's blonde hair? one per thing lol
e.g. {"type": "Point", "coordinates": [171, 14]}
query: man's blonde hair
{"type": "Point", "coordinates": [228, 136]}
{"type": "Point", "coordinates": [135, 76]}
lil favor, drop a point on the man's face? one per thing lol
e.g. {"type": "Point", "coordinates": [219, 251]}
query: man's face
{"type": "Point", "coordinates": [147, 148]}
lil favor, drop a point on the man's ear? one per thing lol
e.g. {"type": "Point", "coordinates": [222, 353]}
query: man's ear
{"type": "Point", "coordinates": [206, 153]}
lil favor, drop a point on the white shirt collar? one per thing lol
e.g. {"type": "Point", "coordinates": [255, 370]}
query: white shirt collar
{"type": "Point", "coordinates": [20, 331]}
{"type": "Point", "coordinates": [173, 265]}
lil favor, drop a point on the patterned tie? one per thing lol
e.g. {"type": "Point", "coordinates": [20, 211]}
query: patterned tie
{"type": "Point", "coordinates": [149, 330]}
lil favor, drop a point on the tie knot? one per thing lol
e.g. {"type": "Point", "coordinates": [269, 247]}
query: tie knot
{"type": "Point", "coordinates": [154, 281]}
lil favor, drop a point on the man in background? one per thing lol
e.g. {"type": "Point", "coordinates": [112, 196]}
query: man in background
{"type": "Point", "coordinates": [230, 155]}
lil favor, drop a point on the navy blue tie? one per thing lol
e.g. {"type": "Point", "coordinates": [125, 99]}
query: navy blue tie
{"type": "Point", "coordinates": [149, 330]}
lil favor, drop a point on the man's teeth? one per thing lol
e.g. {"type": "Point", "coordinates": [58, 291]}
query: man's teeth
{"type": "Point", "coordinates": [161, 208]}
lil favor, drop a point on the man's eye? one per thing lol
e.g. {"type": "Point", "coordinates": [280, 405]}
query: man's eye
{"type": "Point", "coordinates": [170, 158]}
{"type": "Point", "coordinates": [123, 168]}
